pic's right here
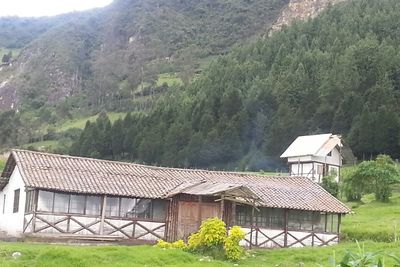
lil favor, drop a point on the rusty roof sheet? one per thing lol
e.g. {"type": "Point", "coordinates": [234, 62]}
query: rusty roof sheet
{"type": "Point", "coordinates": [93, 176]}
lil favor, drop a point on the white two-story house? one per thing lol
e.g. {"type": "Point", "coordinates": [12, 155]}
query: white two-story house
{"type": "Point", "coordinates": [315, 156]}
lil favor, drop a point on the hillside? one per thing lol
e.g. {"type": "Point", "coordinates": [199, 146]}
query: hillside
{"type": "Point", "coordinates": [327, 74]}
{"type": "Point", "coordinates": [102, 57]}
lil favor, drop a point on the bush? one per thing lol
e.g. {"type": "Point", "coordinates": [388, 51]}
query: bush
{"type": "Point", "coordinates": [163, 244]}
{"type": "Point", "coordinates": [179, 244]}
{"type": "Point", "coordinates": [329, 184]}
{"type": "Point", "coordinates": [212, 240]}
{"type": "Point", "coordinates": [233, 250]}
{"type": "Point", "coordinates": [212, 233]}
{"type": "Point", "coordinates": [375, 176]}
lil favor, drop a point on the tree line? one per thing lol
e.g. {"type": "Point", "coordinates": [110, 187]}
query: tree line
{"type": "Point", "coordinates": [339, 72]}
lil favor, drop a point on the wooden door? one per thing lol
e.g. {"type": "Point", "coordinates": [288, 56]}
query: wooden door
{"type": "Point", "coordinates": [188, 216]}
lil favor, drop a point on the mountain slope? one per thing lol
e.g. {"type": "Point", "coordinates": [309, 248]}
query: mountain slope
{"type": "Point", "coordinates": [104, 56]}
{"type": "Point", "coordinates": [339, 72]}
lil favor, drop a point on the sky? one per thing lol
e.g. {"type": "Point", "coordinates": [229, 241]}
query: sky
{"type": "Point", "coordinates": [39, 8]}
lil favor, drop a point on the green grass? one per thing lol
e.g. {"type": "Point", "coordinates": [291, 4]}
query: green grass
{"type": "Point", "coordinates": [168, 78]}
{"type": "Point", "coordinates": [57, 255]}
{"type": "Point", "coordinates": [373, 220]}
{"type": "Point", "coordinates": [81, 122]}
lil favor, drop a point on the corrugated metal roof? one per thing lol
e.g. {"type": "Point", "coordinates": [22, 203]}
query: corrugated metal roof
{"type": "Point", "coordinates": [93, 176]}
{"type": "Point", "coordinates": [318, 145]}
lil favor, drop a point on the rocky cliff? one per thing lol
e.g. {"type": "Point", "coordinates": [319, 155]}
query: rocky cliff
{"type": "Point", "coordinates": [301, 9]}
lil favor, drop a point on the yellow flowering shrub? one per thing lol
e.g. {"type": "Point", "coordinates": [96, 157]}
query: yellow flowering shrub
{"type": "Point", "coordinates": [163, 244]}
{"type": "Point", "coordinates": [180, 244]}
{"type": "Point", "coordinates": [233, 251]}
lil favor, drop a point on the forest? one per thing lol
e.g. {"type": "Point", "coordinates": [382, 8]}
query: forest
{"type": "Point", "coordinates": [339, 72]}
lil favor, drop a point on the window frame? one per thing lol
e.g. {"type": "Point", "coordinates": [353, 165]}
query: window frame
{"type": "Point", "coordinates": [16, 202]}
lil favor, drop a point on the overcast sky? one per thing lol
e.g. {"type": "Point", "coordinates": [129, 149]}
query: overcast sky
{"type": "Point", "coordinates": [38, 8]}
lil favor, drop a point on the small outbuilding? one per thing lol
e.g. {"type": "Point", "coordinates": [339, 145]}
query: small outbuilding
{"type": "Point", "coordinates": [315, 156]}
{"type": "Point", "coordinates": [55, 196]}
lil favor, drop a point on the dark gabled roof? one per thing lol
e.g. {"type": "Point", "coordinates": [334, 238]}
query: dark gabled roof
{"type": "Point", "coordinates": [93, 176]}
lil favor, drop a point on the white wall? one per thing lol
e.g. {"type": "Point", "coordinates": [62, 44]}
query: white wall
{"type": "Point", "coordinates": [12, 223]}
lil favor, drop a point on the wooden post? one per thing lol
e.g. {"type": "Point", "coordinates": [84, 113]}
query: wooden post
{"type": "Point", "coordinates": [338, 226]}
{"type": "Point", "coordinates": [35, 210]}
{"type": "Point", "coordinates": [233, 219]}
{"type": "Point", "coordinates": [199, 212]}
{"type": "Point", "coordinates": [312, 229]}
{"type": "Point", "coordinates": [285, 243]}
{"type": "Point", "coordinates": [103, 215]}
{"type": "Point", "coordinates": [252, 226]}
{"type": "Point", "coordinates": [222, 207]}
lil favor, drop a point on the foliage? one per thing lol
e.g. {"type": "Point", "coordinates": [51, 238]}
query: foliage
{"type": "Point", "coordinates": [212, 232]}
{"type": "Point", "coordinates": [328, 74]}
{"type": "Point", "coordinates": [360, 259]}
{"type": "Point", "coordinates": [163, 244]}
{"type": "Point", "coordinates": [233, 250]}
{"type": "Point", "coordinates": [329, 184]}
{"type": "Point", "coordinates": [179, 244]}
{"type": "Point", "coordinates": [212, 239]}
{"type": "Point", "coordinates": [374, 176]}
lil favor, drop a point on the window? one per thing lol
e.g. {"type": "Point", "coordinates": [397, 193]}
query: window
{"type": "Point", "coordinates": [159, 209]}
{"type": "Point", "coordinates": [330, 154]}
{"type": "Point", "coordinates": [30, 201]}
{"type": "Point", "coordinates": [61, 203]}
{"type": "Point", "coordinates": [4, 203]}
{"type": "Point", "coordinates": [16, 201]}
{"type": "Point", "coordinates": [300, 220]}
{"type": "Point", "coordinates": [77, 204]}
{"type": "Point", "coordinates": [112, 207]}
{"type": "Point", "coordinates": [45, 201]}
{"type": "Point", "coordinates": [319, 222]}
{"type": "Point", "coordinates": [265, 217]}
{"type": "Point", "coordinates": [142, 209]}
{"type": "Point", "coordinates": [93, 205]}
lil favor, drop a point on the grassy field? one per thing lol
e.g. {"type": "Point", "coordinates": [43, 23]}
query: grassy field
{"type": "Point", "coordinates": [168, 78]}
{"type": "Point", "coordinates": [60, 256]}
{"type": "Point", "coordinates": [80, 122]}
{"type": "Point", "coordinates": [373, 220]}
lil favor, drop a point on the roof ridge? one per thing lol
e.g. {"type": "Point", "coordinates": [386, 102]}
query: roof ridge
{"type": "Point", "coordinates": [242, 174]}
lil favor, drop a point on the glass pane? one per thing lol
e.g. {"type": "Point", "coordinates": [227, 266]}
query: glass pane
{"type": "Point", "coordinates": [93, 205]}
{"type": "Point", "coordinates": [329, 223]}
{"type": "Point", "coordinates": [243, 215]}
{"type": "Point", "coordinates": [112, 207]}
{"type": "Point", "coordinates": [142, 209]}
{"type": "Point", "coordinates": [127, 205]}
{"type": "Point", "coordinates": [159, 209]}
{"type": "Point", "coordinates": [276, 218]}
{"type": "Point", "coordinates": [45, 201]}
{"type": "Point", "coordinates": [319, 222]}
{"type": "Point", "coordinates": [77, 204]}
{"type": "Point", "coordinates": [61, 202]}
{"type": "Point", "coordinates": [28, 203]}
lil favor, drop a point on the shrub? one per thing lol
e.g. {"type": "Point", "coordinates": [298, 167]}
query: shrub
{"type": "Point", "coordinates": [329, 184]}
{"type": "Point", "coordinates": [375, 176]}
{"type": "Point", "coordinates": [233, 250]}
{"type": "Point", "coordinates": [163, 244]}
{"type": "Point", "coordinates": [212, 232]}
{"type": "Point", "coordinates": [194, 241]}
{"type": "Point", "coordinates": [179, 244]}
